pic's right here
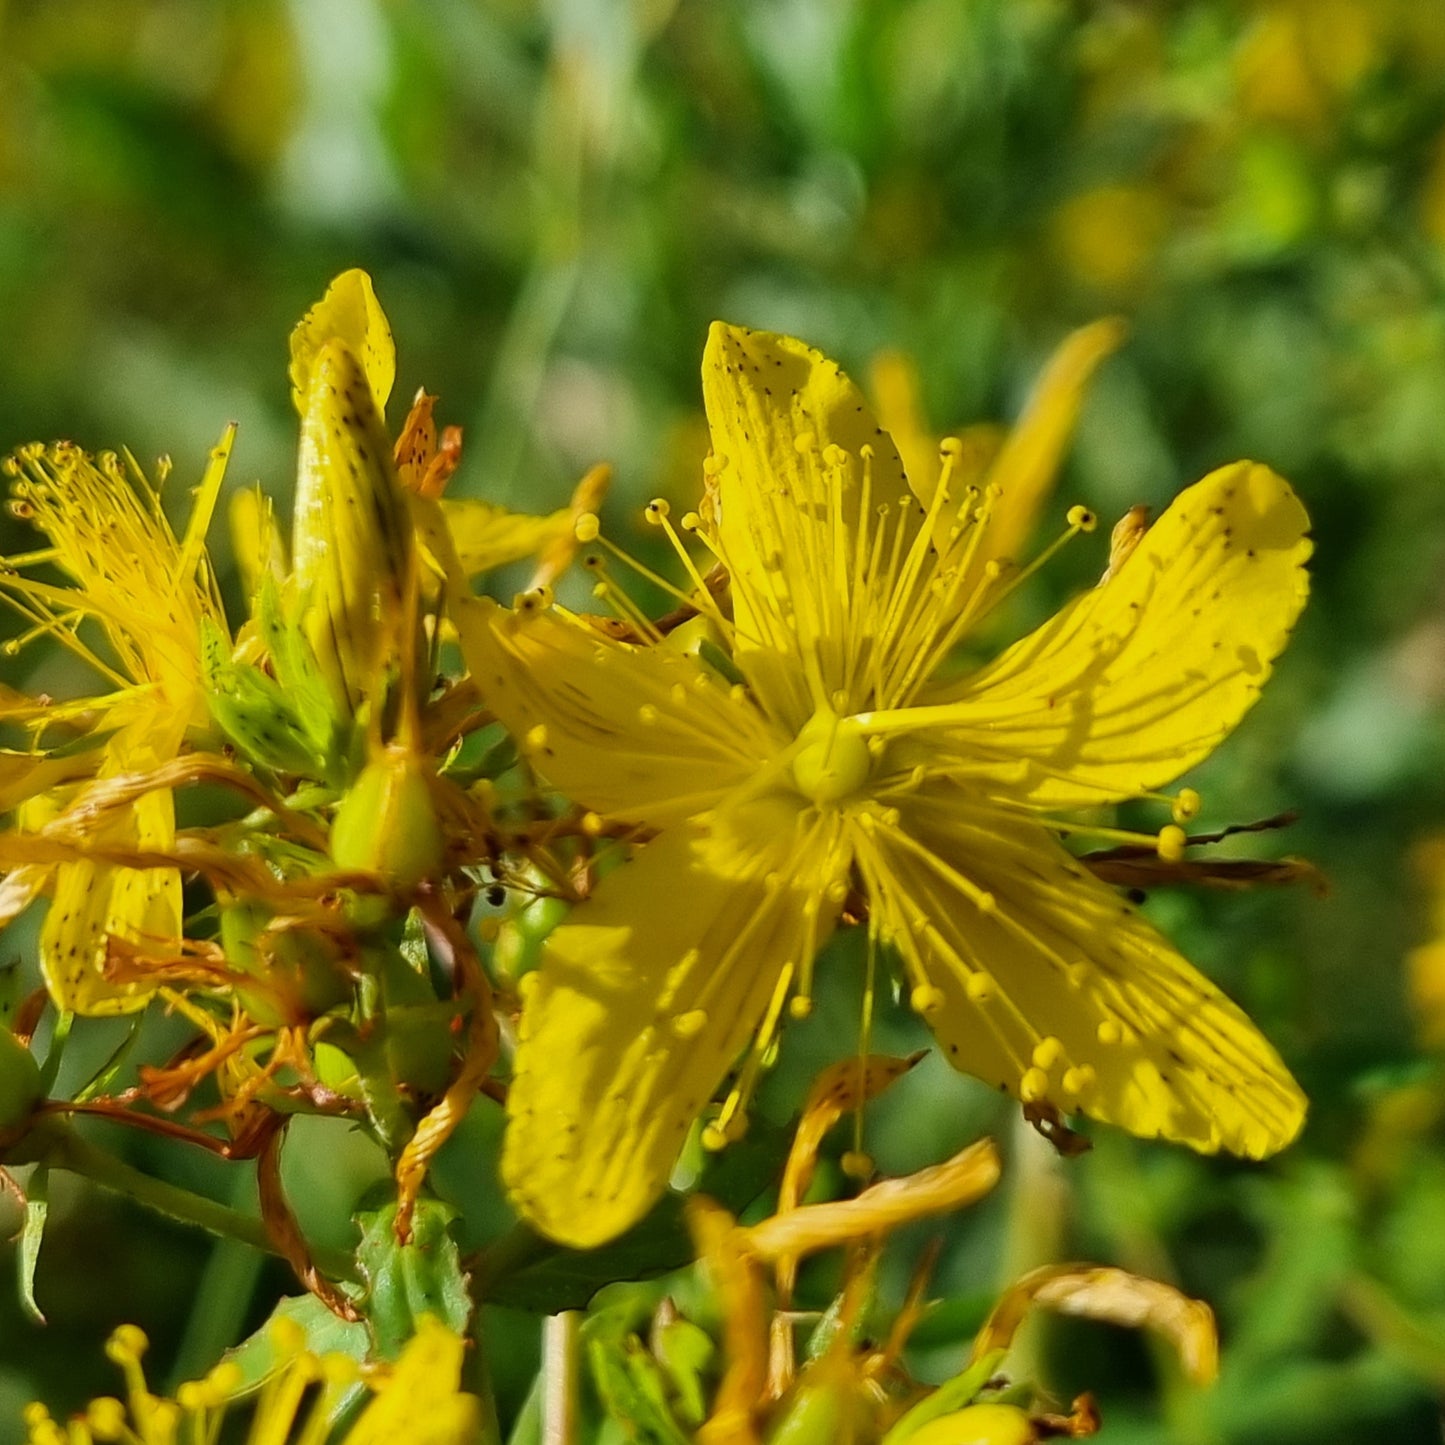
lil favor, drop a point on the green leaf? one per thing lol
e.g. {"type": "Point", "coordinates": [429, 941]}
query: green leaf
{"type": "Point", "coordinates": [27, 1256]}
{"type": "Point", "coordinates": [325, 1333]}
{"type": "Point", "coordinates": [632, 1389]}
{"type": "Point", "coordinates": [526, 1271]}
{"type": "Point", "coordinates": [405, 1281]}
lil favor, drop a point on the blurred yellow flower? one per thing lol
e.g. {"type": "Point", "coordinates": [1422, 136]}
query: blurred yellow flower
{"type": "Point", "coordinates": [417, 1400]}
{"type": "Point", "coordinates": [823, 770]}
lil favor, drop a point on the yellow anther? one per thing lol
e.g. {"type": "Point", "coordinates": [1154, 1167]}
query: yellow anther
{"type": "Point", "coordinates": [587, 527]}
{"type": "Point", "coordinates": [690, 521]}
{"type": "Point", "coordinates": [714, 1140]}
{"type": "Point", "coordinates": [1079, 975]}
{"type": "Point", "coordinates": [713, 463]}
{"type": "Point", "coordinates": [192, 1396]}
{"type": "Point", "coordinates": [1110, 1032]}
{"type": "Point", "coordinates": [835, 456]}
{"type": "Point", "coordinates": [1047, 1052]}
{"type": "Point", "coordinates": [986, 903]}
{"type": "Point", "coordinates": [592, 824]}
{"type": "Point", "coordinates": [126, 1344]}
{"type": "Point", "coordinates": [288, 1339]}
{"type": "Point", "coordinates": [657, 511]}
{"type": "Point", "coordinates": [836, 891]}
{"type": "Point", "coordinates": [1186, 805]}
{"type": "Point", "coordinates": [105, 1417]}
{"type": "Point", "coordinates": [690, 1024]}
{"type": "Point", "coordinates": [980, 987]}
{"type": "Point", "coordinates": [1078, 1080]}
{"type": "Point", "coordinates": [1033, 1086]}
{"type": "Point", "coordinates": [926, 999]}
{"type": "Point", "coordinates": [1172, 842]}
{"type": "Point", "coordinates": [648, 714]}
{"type": "Point", "coordinates": [800, 1006]}
{"type": "Point", "coordinates": [1081, 519]}
{"type": "Point", "coordinates": [226, 1377]}
{"type": "Point", "coordinates": [804, 442]}
{"type": "Point", "coordinates": [856, 1164]}
{"type": "Point", "coordinates": [536, 739]}
{"type": "Point", "coordinates": [339, 1369]}
{"type": "Point", "coordinates": [950, 448]}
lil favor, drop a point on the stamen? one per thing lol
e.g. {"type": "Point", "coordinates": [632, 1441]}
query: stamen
{"type": "Point", "coordinates": [731, 1122]}
{"type": "Point", "coordinates": [1186, 806]}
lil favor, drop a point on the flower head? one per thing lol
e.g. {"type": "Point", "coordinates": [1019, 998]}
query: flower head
{"type": "Point", "coordinates": [829, 762]}
{"type": "Point", "coordinates": [138, 601]}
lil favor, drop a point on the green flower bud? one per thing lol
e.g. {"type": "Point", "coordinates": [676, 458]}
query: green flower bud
{"type": "Point", "coordinates": [387, 822]}
{"type": "Point", "coordinates": [20, 1086]}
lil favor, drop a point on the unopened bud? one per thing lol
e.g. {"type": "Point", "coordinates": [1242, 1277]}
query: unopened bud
{"type": "Point", "coordinates": [387, 822]}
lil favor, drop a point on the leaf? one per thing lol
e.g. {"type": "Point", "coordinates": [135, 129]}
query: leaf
{"type": "Point", "coordinates": [405, 1281]}
{"type": "Point", "coordinates": [27, 1256]}
{"type": "Point", "coordinates": [258, 1357]}
{"type": "Point", "coordinates": [532, 1273]}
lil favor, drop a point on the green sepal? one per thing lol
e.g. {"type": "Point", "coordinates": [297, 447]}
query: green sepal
{"type": "Point", "coordinates": [633, 1389]}
{"type": "Point", "coordinates": [21, 1085]}
{"type": "Point", "coordinates": [953, 1394]}
{"type": "Point", "coordinates": [256, 713]}
{"type": "Point", "coordinates": [325, 1334]}
{"type": "Point", "coordinates": [27, 1254]}
{"type": "Point", "coordinates": [406, 1281]}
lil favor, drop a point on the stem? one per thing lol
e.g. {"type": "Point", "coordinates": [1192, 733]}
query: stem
{"type": "Point", "coordinates": [222, 1299]}
{"type": "Point", "coordinates": [65, 1149]}
{"type": "Point", "coordinates": [559, 1378]}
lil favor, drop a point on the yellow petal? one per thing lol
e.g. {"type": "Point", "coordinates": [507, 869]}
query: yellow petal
{"type": "Point", "coordinates": [1117, 1297]}
{"type": "Point", "coordinates": [639, 1009]}
{"type": "Point", "coordinates": [1048, 984]}
{"type": "Point", "coordinates": [256, 540]}
{"type": "Point", "coordinates": [880, 1208]}
{"type": "Point", "coordinates": [488, 536]}
{"type": "Point", "coordinates": [638, 732]}
{"type": "Point", "coordinates": [1028, 463]}
{"type": "Point", "coordinates": [838, 1090]}
{"type": "Point", "coordinates": [349, 312]}
{"type": "Point", "coordinates": [92, 901]}
{"type": "Point", "coordinates": [1138, 680]}
{"type": "Point", "coordinates": [789, 432]}
{"type": "Point", "coordinates": [421, 1402]}
{"type": "Point", "coordinates": [23, 775]}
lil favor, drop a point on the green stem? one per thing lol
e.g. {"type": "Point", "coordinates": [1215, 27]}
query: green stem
{"type": "Point", "coordinates": [222, 1299]}
{"type": "Point", "coordinates": [62, 1148]}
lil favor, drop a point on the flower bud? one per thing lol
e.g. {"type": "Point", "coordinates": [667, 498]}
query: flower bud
{"type": "Point", "coordinates": [20, 1087]}
{"type": "Point", "coordinates": [989, 1424]}
{"type": "Point", "coordinates": [352, 540]}
{"type": "Point", "coordinates": [387, 822]}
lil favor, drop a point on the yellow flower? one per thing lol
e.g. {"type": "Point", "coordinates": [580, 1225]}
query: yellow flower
{"type": "Point", "coordinates": [838, 763]}
{"type": "Point", "coordinates": [148, 595]}
{"type": "Point", "coordinates": [416, 1400]}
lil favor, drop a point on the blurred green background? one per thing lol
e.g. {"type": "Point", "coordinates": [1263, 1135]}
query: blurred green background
{"type": "Point", "coordinates": [554, 199]}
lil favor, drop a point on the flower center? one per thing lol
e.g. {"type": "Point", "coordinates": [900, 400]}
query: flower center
{"type": "Point", "coordinates": [833, 760]}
